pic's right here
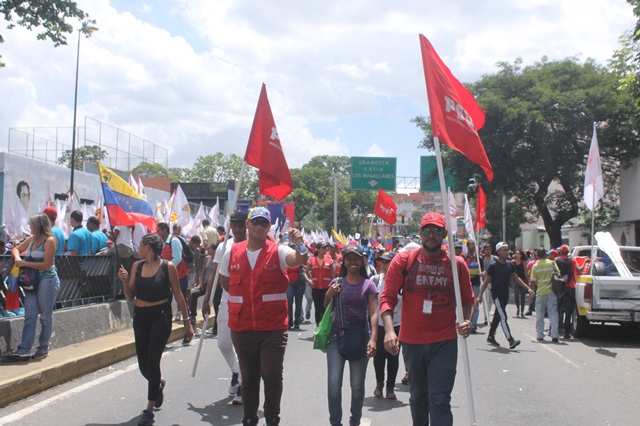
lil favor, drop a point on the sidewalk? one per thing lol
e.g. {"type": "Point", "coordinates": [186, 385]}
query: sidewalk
{"type": "Point", "coordinates": [20, 380]}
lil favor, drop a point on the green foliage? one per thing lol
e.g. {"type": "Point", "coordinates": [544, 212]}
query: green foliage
{"type": "Point", "coordinates": [48, 16]}
{"type": "Point", "coordinates": [539, 122]}
{"type": "Point", "coordinates": [88, 153]}
{"type": "Point", "coordinates": [150, 170]}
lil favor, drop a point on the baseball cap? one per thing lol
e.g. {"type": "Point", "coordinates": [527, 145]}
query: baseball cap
{"type": "Point", "coordinates": [238, 215]}
{"type": "Point", "coordinates": [51, 213]}
{"type": "Point", "coordinates": [458, 244]}
{"type": "Point", "coordinates": [500, 245]}
{"type": "Point", "coordinates": [432, 218]}
{"type": "Point", "coordinates": [553, 253]}
{"type": "Point", "coordinates": [564, 249]}
{"type": "Point", "coordinates": [388, 256]}
{"type": "Point", "coordinates": [352, 248]}
{"type": "Point", "coordinates": [257, 212]}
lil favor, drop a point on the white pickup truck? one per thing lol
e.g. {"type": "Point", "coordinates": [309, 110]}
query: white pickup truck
{"type": "Point", "coordinates": [610, 293]}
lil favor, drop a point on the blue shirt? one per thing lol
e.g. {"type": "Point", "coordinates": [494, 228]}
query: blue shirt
{"type": "Point", "coordinates": [98, 241]}
{"type": "Point", "coordinates": [59, 236]}
{"type": "Point", "coordinates": [80, 241]}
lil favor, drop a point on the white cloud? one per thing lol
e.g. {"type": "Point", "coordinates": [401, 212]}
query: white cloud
{"type": "Point", "coordinates": [188, 77]}
{"type": "Point", "coordinates": [375, 151]}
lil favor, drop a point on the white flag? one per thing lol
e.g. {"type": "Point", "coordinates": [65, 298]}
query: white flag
{"type": "Point", "coordinates": [180, 207]}
{"type": "Point", "coordinates": [453, 212]}
{"type": "Point", "coordinates": [214, 214]}
{"type": "Point", "coordinates": [167, 214]}
{"type": "Point", "coordinates": [593, 187]}
{"type": "Point", "coordinates": [468, 219]}
{"type": "Point", "coordinates": [141, 189]}
{"type": "Point", "coordinates": [133, 183]}
{"type": "Point", "coordinates": [197, 221]}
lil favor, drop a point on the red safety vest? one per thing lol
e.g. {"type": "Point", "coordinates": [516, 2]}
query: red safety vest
{"type": "Point", "coordinates": [321, 273]}
{"type": "Point", "coordinates": [293, 273]}
{"type": "Point", "coordinates": [258, 297]}
{"type": "Point", "coordinates": [183, 269]}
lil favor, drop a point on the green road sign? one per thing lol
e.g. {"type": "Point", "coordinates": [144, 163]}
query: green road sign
{"type": "Point", "coordinates": [371, 173]}
{"type": "Point", "coordinates": [429, 181]}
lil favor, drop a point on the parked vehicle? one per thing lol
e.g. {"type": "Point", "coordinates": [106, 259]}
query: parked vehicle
{"type": "Point", "coordinates": [610, 291]}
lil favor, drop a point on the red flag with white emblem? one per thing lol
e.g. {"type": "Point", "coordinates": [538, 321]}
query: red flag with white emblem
{"type": "Point", "coordinates": [385, 208]}
{"type": "Point", "coordinates": [456, 117]}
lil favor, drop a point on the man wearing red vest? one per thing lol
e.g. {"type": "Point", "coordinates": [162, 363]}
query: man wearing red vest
{"type": "Point", "coordinates": [252, 272]}
{"type": "Point", "coordinates": [320, 269]}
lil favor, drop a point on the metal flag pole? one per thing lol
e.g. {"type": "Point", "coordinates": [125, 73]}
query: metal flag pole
{"type": "Point", "coordinates": [456, 286]}
{"type": "Point", "coordinates": [230, 210]}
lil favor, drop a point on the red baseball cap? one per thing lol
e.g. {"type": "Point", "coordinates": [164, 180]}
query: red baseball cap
{"type": "Point", "coordinates": [51, 213]}
{"type": "Point", "coordinates": [432, 218]}
{"type": "Point", "coordinates": [564, 249]}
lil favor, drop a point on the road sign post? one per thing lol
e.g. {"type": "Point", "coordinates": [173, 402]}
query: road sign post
{"type": "Point", "coordinates": [371, 173]}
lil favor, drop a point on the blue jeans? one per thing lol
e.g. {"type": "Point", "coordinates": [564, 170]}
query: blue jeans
{"type": "Point", "coordinates": [295, 292]}
{"type": "Point", "coordinates": [39, 302]}
{"type": "Point", "coordinates": [549, 304]}
{"type": "Point", "coordinates": [432, 368]}
{"type": "Point", "coordinates": [476, 313]}
{"type": "Point", "coordinates": [357, 376]}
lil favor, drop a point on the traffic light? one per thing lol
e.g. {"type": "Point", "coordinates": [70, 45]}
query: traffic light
{"type": "Point", "coordinates": [402, 214]}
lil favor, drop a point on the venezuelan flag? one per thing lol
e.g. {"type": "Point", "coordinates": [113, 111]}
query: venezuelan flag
{"type": "Point", "coordinates": [125, 207]}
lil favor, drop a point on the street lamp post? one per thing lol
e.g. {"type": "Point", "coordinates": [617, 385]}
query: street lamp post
{"type": "Point", "coordinates": [87, 30]}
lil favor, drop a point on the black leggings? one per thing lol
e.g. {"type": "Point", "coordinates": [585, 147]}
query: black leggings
{"type": "Point", "coordinates": [393, 361]}
{"type": "Point", "coordinates": [151, 328]}
{"type": "Point", "coordinates": [318, 302]}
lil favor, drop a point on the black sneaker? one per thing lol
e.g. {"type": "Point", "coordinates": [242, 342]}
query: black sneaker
{"type": "Point", "coordinates": [160, 397]}
{"type": "Point", "coordinates": [307, 316]}
{"type": "Point", "coordinates": [492, 341]}
{"type": "Point", "coordinates": [146, 419]}
{"type": "Point", "coordinates": [19, 356]}
{"type": "Point", "coordinates": [513, 343]}
{"type": "Point", "coordinates": [555, 340]}
{"type": "Point", "coordinates": [528, 313]}
{"type": "Point", "coordinates": [540, 339]}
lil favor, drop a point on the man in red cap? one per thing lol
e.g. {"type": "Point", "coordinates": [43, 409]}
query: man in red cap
{"type": "Point", "coordinates": [428, 333]}
{"type": "Point", "coordinates": [52, 214]}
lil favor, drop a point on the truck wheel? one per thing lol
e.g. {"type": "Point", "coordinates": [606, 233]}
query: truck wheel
{"type": "Point", "coordinates": [580, 324]}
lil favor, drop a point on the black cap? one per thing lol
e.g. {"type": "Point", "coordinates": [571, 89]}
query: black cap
{"type": "Point", "coordinates": [388, 256]}
{"type": "Point", "coordinates": [352, 248]}
{"type": "Point", "coordinates": [238, 215]}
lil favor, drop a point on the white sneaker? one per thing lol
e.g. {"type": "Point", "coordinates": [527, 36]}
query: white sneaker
{"type": "Point", "coordinates": [178, 316]}
{"type": "Point", "coordinates": [233, 389]}
{"type": "Point", "coordinates": [237, 400]}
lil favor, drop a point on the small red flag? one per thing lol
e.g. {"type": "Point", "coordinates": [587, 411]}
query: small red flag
{"type": "Point", "coordinates": [481, 210]}
{"type": "Point", "coordinates": [265, 152]}
{"type": "Point", "coordinates": [385, 208]}
{"type": "Point", "coordinates": [456, 117]}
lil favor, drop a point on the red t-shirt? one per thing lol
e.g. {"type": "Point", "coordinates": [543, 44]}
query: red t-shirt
{"type": "Point", "coordinates": [429, 286]}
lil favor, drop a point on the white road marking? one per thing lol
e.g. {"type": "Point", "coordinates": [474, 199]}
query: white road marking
{"type": "Point", "coordinates": [553, 351]}
{"type": "Point", "coordinates": [18, 415]}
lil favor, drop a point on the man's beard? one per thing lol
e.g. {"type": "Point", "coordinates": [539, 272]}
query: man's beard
{"type": "Point", "coordinates": [434, 250]}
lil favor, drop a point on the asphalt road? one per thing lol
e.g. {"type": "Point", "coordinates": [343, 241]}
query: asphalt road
{"type": "Point", "coordinates": [589, 382]}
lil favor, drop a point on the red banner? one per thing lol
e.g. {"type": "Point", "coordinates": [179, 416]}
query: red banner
{"type": "Point", "coordinates": [481, 210]}
{"type": "Point", "coordinates": [385, 208]}
{"type": "Point", "coordinates": [456, 117]}
{"type": "Point", "coordinates": [265, 152]}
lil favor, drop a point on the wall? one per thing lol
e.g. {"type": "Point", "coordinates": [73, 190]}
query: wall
{"type": "Point", "coordinates": [629, 200]}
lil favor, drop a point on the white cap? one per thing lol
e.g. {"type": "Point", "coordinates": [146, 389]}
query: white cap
{"type": "Point", "coordinates": [500, 245]}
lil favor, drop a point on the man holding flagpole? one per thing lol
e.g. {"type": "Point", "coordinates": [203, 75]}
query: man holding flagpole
{"type": "Point", "coordinates": [252, 272]}
{"type": "Point", "coordinates": [429, 331]}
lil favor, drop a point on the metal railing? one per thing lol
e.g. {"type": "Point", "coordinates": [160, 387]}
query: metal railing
{"type": "Point", "coordinates": [83, 280]}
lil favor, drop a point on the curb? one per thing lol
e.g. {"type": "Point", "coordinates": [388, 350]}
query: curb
{"type": "Point", "coordinates": [70, 362]}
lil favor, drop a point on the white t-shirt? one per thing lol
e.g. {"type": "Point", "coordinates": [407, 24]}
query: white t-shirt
{"type": "Point", "coordinates": [124, 237]}
{"type": "Point", "coordinates": [283, 252]}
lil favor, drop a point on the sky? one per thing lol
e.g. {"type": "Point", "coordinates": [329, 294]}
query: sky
{"type": "Point", "coordinates": [343, 78]}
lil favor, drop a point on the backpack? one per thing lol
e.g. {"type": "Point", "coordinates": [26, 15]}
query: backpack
{"type": "Point", "coordinates": [565, 267]}
{"type": "Point", "coordinates": [187, 253]}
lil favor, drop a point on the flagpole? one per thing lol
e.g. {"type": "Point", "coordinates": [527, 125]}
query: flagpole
{"type": "Point", "coordinates": [456, 285]}
{"type": "Point", "coordinates": [593, 215]}
{"type": "Point", "coordinates": [371, 226]}
{"type": "Point", "coordinates": [216, 278]}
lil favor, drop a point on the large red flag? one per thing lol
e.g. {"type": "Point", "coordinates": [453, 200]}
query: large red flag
{"type": "Point", "coordinates": [481, 210]}
{"type": "Point", "coordinates": [456, 117]}
{"type": "Point", "coordinates": [265, 152]}
{"type": "Point", "coordinates": [385, 208]}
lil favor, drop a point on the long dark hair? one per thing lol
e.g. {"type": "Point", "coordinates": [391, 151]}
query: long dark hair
{"type": "Point", "coordinates": [363, 269]}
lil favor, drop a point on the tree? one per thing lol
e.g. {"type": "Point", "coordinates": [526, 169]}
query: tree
{"type": "Point", "coordinates": [50, 16]}
{"type": "Point", "coordinates": [538, 129]}
{"type": "Point", "coordinates": [88, 153]}
{"type": "Point", "coordinates": [150, 170]}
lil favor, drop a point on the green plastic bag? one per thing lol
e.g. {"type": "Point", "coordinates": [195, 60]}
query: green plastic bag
{"type": "Point", "coordinates": [321, 336]}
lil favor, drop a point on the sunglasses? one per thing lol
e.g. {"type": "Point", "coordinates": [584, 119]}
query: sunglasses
{"type": "Point", "coordinates": [261, 223]}
{"type": "Point", "coordinates": [438, 232]}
